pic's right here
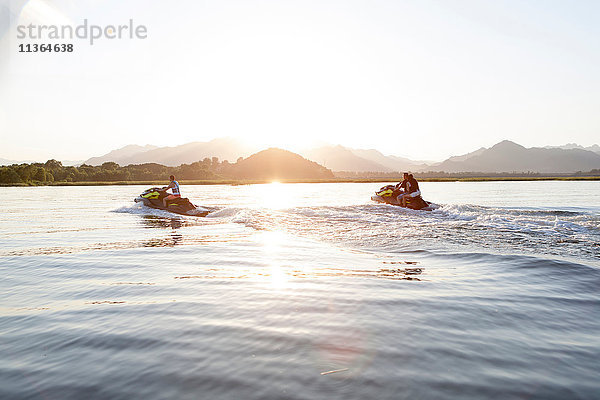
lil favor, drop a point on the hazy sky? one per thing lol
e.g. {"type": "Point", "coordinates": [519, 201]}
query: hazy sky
{"type": "Point", "coordinates": [423, 79]}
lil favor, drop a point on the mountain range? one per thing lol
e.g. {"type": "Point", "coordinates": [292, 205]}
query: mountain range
{"type": "Point", "coordinates": [224, 148]}
{"type": "Point", "coordinates": [508, 156]}
{"type": "Point", "coordinates": [5, 161]}
{"type": "Point", "coordinates": [121, 156]}
{"type": "Point", "coordinates": [505, 156]}
{"type": "Point", "coordinates": [595, 148]}
{"type": "Point", "coordinates": [339, 158]}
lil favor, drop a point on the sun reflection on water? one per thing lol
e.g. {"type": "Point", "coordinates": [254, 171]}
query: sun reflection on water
{"type": "Point", "coordinates": [279, 279]}
{"type": "Point", "coordinates": [272, 251]}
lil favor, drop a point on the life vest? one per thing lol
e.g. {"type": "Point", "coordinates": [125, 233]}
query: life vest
{"type": "Point", "coordinates": [413, 186]}
{"type": "Point", "coordinates": [175, 189]}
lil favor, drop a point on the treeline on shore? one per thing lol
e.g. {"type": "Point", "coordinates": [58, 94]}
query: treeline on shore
{"type": "Point", "coordinates": [213, 170]}
{"type": "Point", "coordinates": [53, 171]}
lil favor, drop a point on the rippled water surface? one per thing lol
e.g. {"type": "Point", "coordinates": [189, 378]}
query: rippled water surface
{"type": "Point", "coordinates": [302, 291]}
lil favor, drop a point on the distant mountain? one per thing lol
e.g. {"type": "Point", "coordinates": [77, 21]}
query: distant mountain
{"type": "Point", "coordinates": [339, 158]}
{"type": "Point", "coordinates": [276, 163]}
{"type": "Point", "coordinates": [468, 155]}
{"type": "Point", "coordinates": [223, 148]}
{"type": "Point", "coordinates": [394, 163]}
{"type": "Point", "coordinates": [72, 163]}
{"type": "Point", "coordinates": [120, 154]}
{"type": "Point", "coordinates": [508, 156]}
{"type": "Point", "coordinates": [595, 148]}
{"type": "Point", "coordinates": [5, 161]}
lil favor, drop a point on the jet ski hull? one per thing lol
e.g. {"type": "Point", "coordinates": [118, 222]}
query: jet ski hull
{"type": "Point", "coordinates": [394, 201]}
{"type": "Point", "coordinates": [185, 208]}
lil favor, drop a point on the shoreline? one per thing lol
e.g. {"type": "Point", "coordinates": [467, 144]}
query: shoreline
{"type": "Point", "coordinates": [237, 182]}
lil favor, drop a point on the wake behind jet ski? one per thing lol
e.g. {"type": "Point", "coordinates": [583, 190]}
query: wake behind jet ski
{"type": "Point", "coordinates": [153, 197]}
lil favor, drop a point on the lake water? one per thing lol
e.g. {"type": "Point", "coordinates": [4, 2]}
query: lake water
{"type": "Point", "coordinates": [493, 295]}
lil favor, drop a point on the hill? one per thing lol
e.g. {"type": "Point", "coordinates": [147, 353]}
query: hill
{"type": "Point", "coordinates": [508, 156]}
{"type": "Point", "coordinates": [276, 163]}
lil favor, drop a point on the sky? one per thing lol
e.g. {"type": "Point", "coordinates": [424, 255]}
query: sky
{"type": "Point", "coordinates": [420, 79]}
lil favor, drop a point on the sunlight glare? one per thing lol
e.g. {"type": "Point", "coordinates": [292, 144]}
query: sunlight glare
{"type": "Point", "coordinates": [275, 195]}
{"type": "Point", "coordinates": [279, 279]}
{"type": "Point", "coordinates": [272, 252]}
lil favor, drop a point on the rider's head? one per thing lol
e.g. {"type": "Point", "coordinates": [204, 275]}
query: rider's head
{"type": "Point", "coordinates": [405, 175]}
{"type": "Point", "coordinates": [172, 178]}
{"type": "Point", "coordinates": [411, 176]}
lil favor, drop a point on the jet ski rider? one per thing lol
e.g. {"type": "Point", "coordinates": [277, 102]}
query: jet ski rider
{"type": "Point", "coordinates": [409, 188]}
{"type": "Point", "coordinates": [174, 186]}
